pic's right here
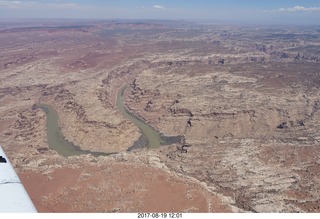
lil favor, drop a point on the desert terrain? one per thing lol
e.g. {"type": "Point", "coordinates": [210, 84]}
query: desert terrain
{"type": "Point", "coordinates": [246, 100]}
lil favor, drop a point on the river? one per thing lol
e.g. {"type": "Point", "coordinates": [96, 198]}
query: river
{"type": "Point", "coordinates": [55, 138]}
{"type": "Point", "coordinates": [149, 136]}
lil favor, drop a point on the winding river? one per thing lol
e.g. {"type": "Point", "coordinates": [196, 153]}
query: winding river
{"type": "Point", "coordinates": [149, 136]}
{"type": "Point", "coordinates": [56, 140]}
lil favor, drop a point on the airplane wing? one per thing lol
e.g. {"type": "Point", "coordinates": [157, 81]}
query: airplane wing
{"type": "Point", "coordinates": [13, 196]}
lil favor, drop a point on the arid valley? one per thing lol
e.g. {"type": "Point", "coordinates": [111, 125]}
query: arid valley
{"type": "Point", "coordinates": [238, 108]}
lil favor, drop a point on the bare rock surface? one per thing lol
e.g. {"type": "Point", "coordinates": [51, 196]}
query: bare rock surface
{"type": "Point", "coordinates": [245, 99]}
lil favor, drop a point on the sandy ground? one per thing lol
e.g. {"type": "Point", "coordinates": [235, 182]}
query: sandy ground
{"type": "Point", "coordinates": [247, 101]}
{"type": "Point", "coordinates": [117, 187]}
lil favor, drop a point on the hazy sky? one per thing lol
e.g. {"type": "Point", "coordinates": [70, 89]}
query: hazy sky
{"type": "Point", "coordinates": [252, 11]}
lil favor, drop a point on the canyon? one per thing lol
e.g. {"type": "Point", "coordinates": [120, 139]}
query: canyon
{"type": "Point", "coordinates": [244, 100]}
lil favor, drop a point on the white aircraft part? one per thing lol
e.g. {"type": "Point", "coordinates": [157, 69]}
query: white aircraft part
{"type": "Point", "coordinates": [13, 196]}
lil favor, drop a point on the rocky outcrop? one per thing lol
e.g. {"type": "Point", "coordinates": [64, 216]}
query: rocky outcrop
{"type": "Point", "coordinates": [246, 100]}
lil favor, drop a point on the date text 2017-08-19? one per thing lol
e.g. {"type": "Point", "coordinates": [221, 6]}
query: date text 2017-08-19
{"type": "Point", "coordinates": [160, 215]}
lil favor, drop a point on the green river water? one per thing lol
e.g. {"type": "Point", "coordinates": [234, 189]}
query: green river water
{"type": "Point", "coordinates": [55, 137]}
{"type": "Point", "coordinates": [149, 136]}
